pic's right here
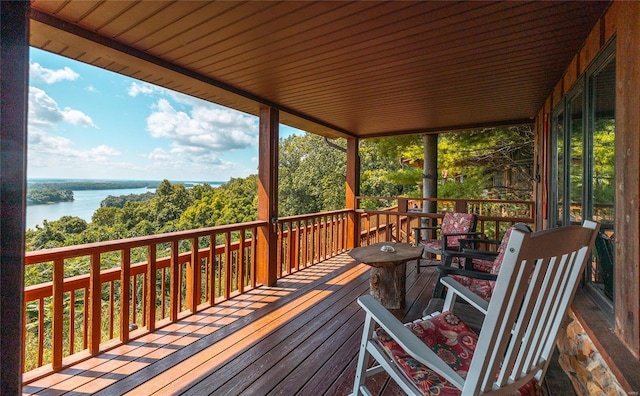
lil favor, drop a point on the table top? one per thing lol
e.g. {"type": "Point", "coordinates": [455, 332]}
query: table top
{"type": "Point", "coordinates": [373, 256]}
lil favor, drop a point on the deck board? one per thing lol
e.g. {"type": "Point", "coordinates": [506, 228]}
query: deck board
{"type": "Point", "coordinates": [301, 337]}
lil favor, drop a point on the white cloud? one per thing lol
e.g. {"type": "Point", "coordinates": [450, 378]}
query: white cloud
{"type": "Point", "coordinates": [44, 111]}
{"type": "Point", "coordinates": [207, 129]}
{"type": "Point", "coordinates": [47, 151]}
{"type": "Point", "coordinates": [136, 89]}
{"type": "Point", "coordinates": [50, 76]}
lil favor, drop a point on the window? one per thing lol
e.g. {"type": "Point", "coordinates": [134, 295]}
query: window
{"type": "Point", "coordinates": [583, 166]}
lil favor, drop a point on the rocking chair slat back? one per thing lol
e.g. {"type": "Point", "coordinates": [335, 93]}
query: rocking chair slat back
{"type": "Point", "coordinates": [441, 355]}
{"type": "Point", "coordinates": [528, 306]}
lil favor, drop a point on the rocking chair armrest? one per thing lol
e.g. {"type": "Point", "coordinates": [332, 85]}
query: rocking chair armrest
{"type": "Point", "coordinates": [408, 341]}
{"type": "Point", "coordinates": [446, 271]}
{"type": "Point", "coordinates": [445, 237]}
{"type": "Point", "coordinates": [455, 288]}
{"type": "Point", "coordinates": [470, 255]}
{"type": "Point", "coordinates": [470, 243]}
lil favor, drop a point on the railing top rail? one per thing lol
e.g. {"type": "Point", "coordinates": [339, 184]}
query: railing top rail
{"type": "Point", "coordinates": [40, 256]}
{"type": "Point", "coordinates": [312, 215]}
{"type": "Point", "coordinates": [493, 200]}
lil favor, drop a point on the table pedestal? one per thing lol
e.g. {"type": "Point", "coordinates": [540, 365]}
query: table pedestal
{"type": "Point", "coordinates": [388, 270]}
{"type": "Point", "coordinates": [388, 285]}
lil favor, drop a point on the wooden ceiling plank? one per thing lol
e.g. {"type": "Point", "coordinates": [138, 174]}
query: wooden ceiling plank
{"type": "Point", "coordinates": [361, 61]}
{"type": "Point", "coordinates": [302, 38]}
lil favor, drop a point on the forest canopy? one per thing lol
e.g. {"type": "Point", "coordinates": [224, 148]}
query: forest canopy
{"type": "Point", "coordinates": [478, 164]}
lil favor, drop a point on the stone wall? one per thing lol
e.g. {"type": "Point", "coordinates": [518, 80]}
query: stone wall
{"type": "Point", "coordinates": [583, 364]}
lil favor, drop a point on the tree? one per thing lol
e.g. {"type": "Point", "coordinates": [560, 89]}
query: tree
{"type": "Point", "coordinates": [312, 175]}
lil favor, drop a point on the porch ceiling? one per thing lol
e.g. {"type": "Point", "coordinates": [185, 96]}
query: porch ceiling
{"type": "Point", "coordinates": [335, 68]}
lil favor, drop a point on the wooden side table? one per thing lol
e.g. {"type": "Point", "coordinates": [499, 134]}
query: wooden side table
{"type": "Point", "coordinates": [388, 270]}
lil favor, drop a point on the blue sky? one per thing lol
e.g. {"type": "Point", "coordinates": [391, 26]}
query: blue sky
{"type": "Point", "coordinates": [89, 123]}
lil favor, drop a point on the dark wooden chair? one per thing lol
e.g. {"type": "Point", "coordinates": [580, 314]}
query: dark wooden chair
{"type": "Point", "coordinates": [481, 267]}
{"type": "Point", "coordinates": [455, 226]}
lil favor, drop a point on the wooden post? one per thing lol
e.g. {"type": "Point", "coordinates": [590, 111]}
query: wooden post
{"type": "Point", "coordinates": [352, 191]}
{"type": "Point", "coordinates": [58, 313]}
{"type": "Point", "coordinates": [14, 69]}
{"type": "Point", "coordinates": [627, 222]}
{"type": "Point", "coordinates": [268, 196]}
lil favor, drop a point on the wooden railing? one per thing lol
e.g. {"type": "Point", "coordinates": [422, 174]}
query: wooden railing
{"type": "Point", "coordinates": [83, 308]}
{"type": "Point", "coordinates": [308, 239]}
{"type": "Point", "coordinates": [396, 223]}
{"type": "Point", "coordinates": [73, 316]}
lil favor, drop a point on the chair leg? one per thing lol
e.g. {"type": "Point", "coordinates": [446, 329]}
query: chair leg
{"type": "Point", "coordinates": [363, 357]}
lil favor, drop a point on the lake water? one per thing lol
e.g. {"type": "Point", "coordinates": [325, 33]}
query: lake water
{"type": "Point", "coordinates": [85, 203]}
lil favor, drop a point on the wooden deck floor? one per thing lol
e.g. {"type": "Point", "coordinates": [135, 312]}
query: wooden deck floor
{"type": "Point", "coordinates": [301, 337]}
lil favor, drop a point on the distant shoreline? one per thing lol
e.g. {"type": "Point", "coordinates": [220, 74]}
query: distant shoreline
{"type": "Point", "coordinates": [100, 184]}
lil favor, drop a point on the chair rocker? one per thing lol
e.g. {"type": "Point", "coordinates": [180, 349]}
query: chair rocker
{"type": "Point", "coordinates": [442, 355]}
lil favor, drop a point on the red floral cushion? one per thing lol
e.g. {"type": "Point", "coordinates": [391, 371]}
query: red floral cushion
{"type": "Point", "coordinates": [452, 340]}
{"type": "Point", "coordinates": [452, 223]}
{"type": "Point", "coordinates": [482, 265]}
{"type": "Point", "coordinates": [482, 287]}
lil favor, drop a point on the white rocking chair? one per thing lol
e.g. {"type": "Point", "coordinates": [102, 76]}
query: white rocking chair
{"type": "Point", "coordinates": [441, 355]}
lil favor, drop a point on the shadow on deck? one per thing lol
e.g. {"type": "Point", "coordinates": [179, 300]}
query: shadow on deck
{"type": "Point", "coordinates": [301, 337]}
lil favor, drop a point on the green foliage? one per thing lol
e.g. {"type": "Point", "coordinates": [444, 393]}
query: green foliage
{"type": "Point", "coordinates": [121, 200]}
{"type": "Point", "coordinates": [487, 163]}
{"type": "Point", "coordinates": [312, 175]}
{"type": "Point", "coordinates": [44, 195]}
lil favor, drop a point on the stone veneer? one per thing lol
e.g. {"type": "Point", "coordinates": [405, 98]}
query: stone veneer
{"type": "Point", "coordinates": [583, 364]}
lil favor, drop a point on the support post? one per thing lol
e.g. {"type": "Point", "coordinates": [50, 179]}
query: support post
{"type": "Point", "coordinates": [352, 191]}
{"type": "Point", "coordinates": [627, 222]}
{"type": "Point", "coordinates": [429, 177]}
{"type": "Point", "coordinates": [268, 196]}
{"type": "Point", "coordinates": [14, 77]}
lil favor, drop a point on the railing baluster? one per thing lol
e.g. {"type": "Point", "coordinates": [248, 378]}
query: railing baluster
{"type": "Point", "coordinates": [143, 299]}
{"type": "Point", "coordinates": [85, 319]}
{"type": "Point", "coordinates": [291, 246]}
{"type": "Point", "coordinates": [95, 314]}
{"type": "Point", "coordinates": [125, 294]}
{"type": "Point", "coordinates": [111, 310]}
{"type": "Point", "coordinates": [212, 269]}
{"type": "Point", "coordinates": [151, 288]}
{"type": "Point", "coordinates": [72, 321]}
{"type": "Point", "coordinates": [134, 299]}
{"type": "Point", "coordinates": [254, 262]}
{"type": "Point", "coordinates": [228, 263]}
{"type": "Point", "coordinates": [163, 293]}
{"type": "Point", "coordinates": [280, 251]}
{"type": "Point", "coordinates": [41, 331]}
{"type": "Point", "coordinates": [193, 275]}
{"type": "Point", "coordinates": [174, 281]}
{"type": "Point", "coordinates": [220, 268]}
{"type": "Point", "coordinates": [241, 264]}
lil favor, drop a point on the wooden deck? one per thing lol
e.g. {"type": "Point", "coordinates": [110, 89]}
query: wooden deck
{"type": "Point", "coordinates": [301, 337]}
